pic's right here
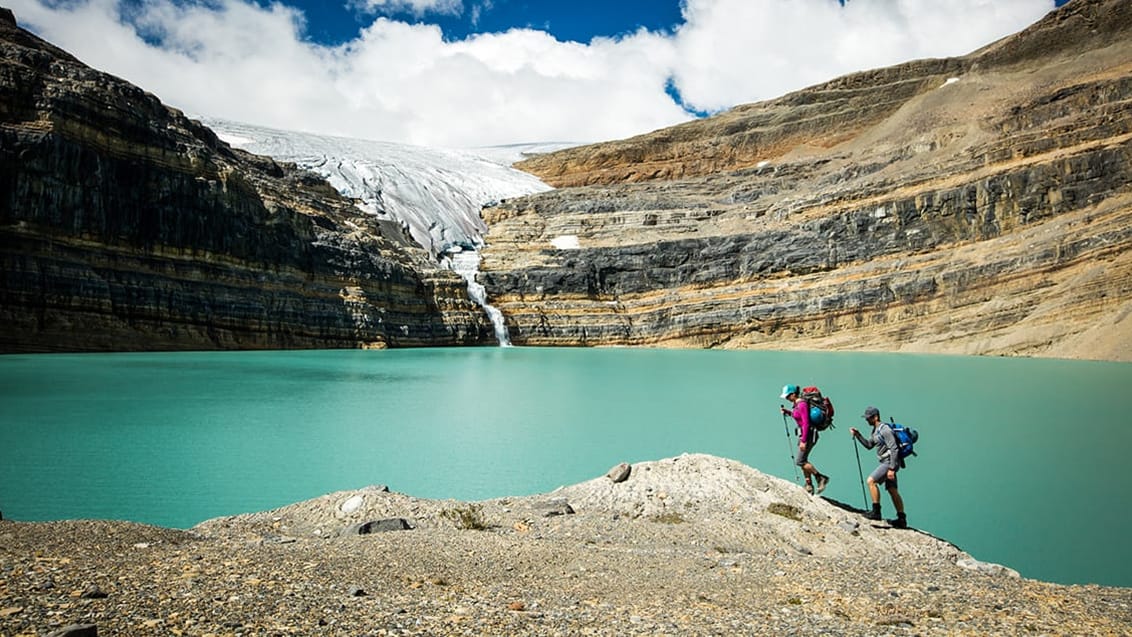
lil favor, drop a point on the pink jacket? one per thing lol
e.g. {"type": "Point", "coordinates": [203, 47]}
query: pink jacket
{"type": "Point", "coordinates": [802, 417]}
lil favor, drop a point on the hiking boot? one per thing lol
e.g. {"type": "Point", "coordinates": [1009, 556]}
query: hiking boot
{"type": "Point", "coordinates": [822, 481]}
{"type": "Point", "coordinates": [900, 522]}
{"type": "Point", "coordinates": [809, 488]}
{"type": "Point", "coordinates": [873, 514]}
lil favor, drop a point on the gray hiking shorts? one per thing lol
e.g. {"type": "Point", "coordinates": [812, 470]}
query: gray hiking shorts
{"type": "Point", "coordinates": [803, 455]}
{"type": "Point", "coordinates": [880, 476]}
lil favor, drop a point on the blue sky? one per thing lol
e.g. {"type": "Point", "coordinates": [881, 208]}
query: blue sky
{"type": "Point", "coordinates": [465, 73]}
{"type": "Point", "coordinates": [574, 20]}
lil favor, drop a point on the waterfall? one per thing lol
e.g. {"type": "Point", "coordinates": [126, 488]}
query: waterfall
{"type": "Point", "coordinates": [466, 263]}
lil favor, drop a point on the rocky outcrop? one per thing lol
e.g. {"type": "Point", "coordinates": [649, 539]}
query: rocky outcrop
{"type": "Point", "coordinates": [691, 545]}
{"type": "Point", "coordinates": [124, 225]}
{"type": "Point", "coordinates": [975, 205]}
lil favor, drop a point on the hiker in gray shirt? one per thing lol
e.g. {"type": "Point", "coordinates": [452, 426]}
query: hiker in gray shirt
{"type": "Point", "coordinates": [888, 452]}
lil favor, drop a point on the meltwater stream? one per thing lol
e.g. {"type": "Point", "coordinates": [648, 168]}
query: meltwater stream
{"type": "Point", "coordinates": [466, 263]}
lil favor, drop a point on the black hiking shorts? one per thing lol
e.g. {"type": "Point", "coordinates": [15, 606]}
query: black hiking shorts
{"type": "Point", "coordinates": [803, 455]}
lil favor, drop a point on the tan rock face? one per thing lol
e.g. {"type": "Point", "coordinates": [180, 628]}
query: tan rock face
{"type": "Point", "coordinates": [125, 225]}
{"type": "Point", "coordinates": [976, 205]}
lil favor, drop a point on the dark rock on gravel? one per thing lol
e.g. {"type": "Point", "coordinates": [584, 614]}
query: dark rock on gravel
{"type": "Point", "coordinates": [76, 630]}
{"type": "Point", "coordinates": [379, 526]}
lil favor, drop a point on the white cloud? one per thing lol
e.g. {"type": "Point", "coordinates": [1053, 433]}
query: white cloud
{"type": "Point", "coordinates": [730, 52]}
{"type": "Point", "coordinates": [415, 7]}
{"type": "Point", "coordinates": [478, 10]}
{"type": "Point", "coordinates": [399, 82]}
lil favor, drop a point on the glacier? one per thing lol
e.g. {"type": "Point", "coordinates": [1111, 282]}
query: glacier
{"type": "Point", "coordinates": [436, 193]}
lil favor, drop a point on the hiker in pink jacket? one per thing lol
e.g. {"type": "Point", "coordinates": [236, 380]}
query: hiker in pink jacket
{"type": "Point", "coordinates": [807, 437]}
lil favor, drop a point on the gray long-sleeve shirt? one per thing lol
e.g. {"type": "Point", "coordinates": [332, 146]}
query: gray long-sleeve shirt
{"type": "Point", "coordinates": [885, 441]}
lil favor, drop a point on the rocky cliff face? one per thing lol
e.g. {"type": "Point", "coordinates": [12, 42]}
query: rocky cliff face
{"type": "Point", "coordinates": [125, 225]}
{"type": "Point", "coordinates": [976, 205]}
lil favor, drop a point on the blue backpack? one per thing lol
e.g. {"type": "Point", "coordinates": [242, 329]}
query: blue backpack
{"type": "Point", "coordinates": [905, 439]}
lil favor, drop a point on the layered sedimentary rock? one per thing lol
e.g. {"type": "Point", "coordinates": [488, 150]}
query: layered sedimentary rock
{"type": "Point", "coordinates": [978, 205]}
{"type": "Point", "coordinates": [125, 225]}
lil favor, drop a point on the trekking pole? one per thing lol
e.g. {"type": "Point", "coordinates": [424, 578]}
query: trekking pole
{"type": "Point", "coordinates": [860, 475]}
{"type": "Point", "coordinates": [789, 442]}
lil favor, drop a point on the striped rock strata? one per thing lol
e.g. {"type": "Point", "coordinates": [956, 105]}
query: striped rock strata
{"type": "Point", "coordinates": [976, 205]}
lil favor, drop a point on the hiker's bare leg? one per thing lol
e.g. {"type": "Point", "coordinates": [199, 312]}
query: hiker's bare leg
{"type": "Point", "coordinates": [897, 501]}
{"type": "Point", "coordinates": [802, 460]}
{"type": "Point", "coordinates": [874, 491]}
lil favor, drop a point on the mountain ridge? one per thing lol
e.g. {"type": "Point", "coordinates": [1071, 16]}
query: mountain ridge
{"type": "Point", "coordinates": [975, 205]}
{"type": "Point", "coordinates": [1075, 26]}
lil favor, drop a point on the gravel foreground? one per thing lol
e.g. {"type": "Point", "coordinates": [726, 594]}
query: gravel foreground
{"type": "Point", "coordinates": [692, 545]}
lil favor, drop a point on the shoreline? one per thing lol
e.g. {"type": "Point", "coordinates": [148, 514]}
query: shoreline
{"type": "Point", "coordinates": [1117, 356]}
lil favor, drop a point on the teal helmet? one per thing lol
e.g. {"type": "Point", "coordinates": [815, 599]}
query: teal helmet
{"type": "Point", "coordinates": [788, 389]}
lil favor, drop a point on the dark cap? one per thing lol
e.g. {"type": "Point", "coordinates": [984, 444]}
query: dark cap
{"type": "Point", "coordinates": [871, 412]}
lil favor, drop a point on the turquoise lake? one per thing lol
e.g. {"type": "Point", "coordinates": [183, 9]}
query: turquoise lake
{"type": "Point", "coordinates": [1021, 461]}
